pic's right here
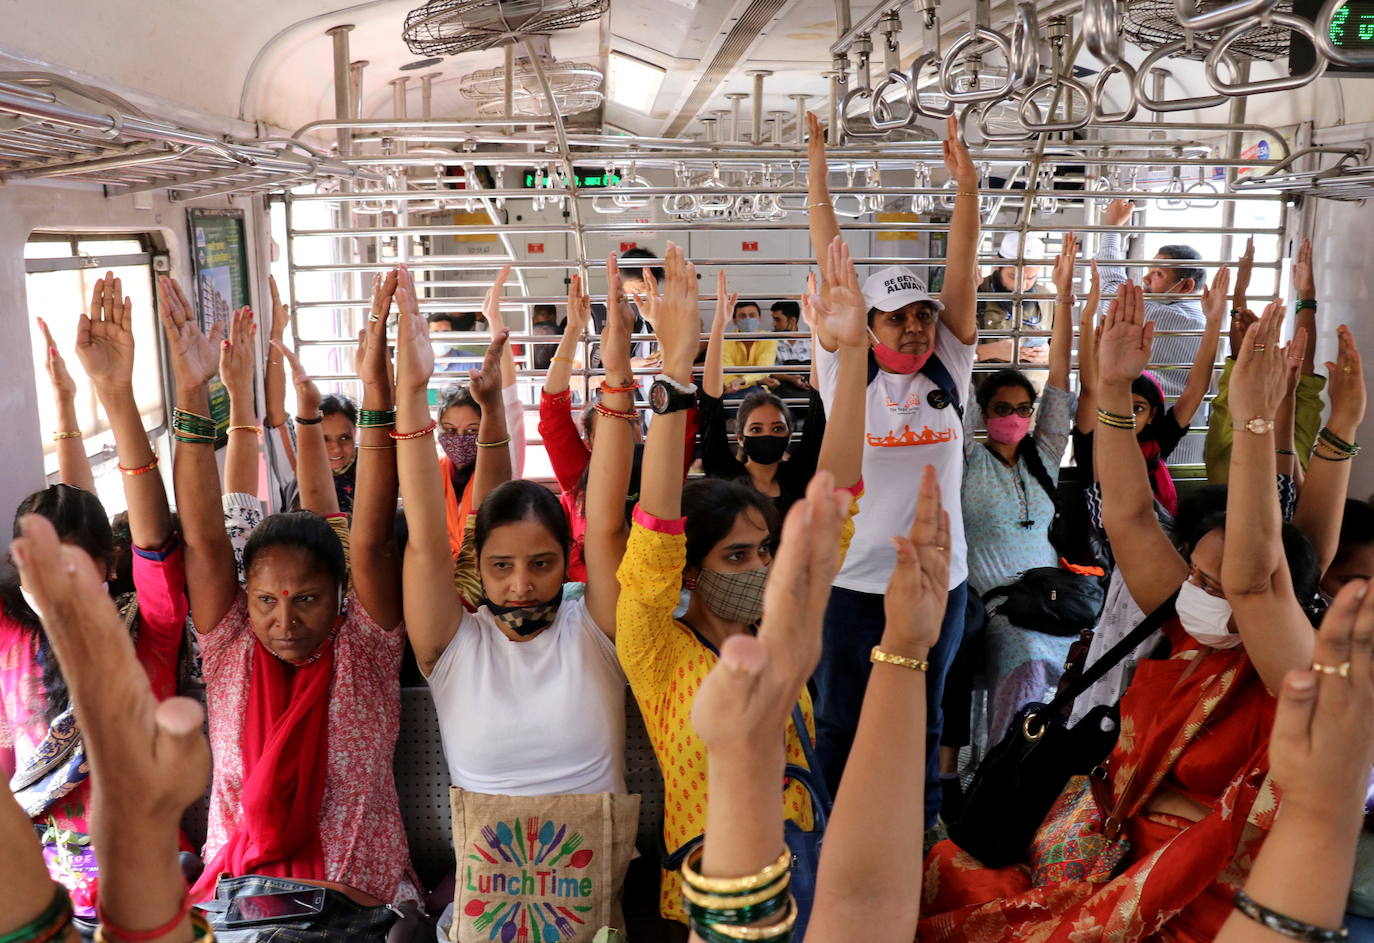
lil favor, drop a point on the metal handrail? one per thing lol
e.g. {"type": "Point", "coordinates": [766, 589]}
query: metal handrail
{"type": "Point", "coordinates": [1281, 84]}
{"type": "Point", "coordinates": [1102, 30]}
{"type": "Point", "coordinates": [1191, 20]}
{"type": "Point", "coordinates": [1147, 67]}
{"type": "Point", "coordinates": [951, 59]}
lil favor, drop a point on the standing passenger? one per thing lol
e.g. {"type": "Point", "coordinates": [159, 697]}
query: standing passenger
{"type": "Point", "coordinates": [920, 363]}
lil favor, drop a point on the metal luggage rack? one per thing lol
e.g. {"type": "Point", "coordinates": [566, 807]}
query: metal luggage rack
{"type": "Point", "coordinates": [53, 127]}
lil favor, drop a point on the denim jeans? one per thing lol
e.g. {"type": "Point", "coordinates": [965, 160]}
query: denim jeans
{"type": "Point", "coordinates": [341, 919]}
{"type": "Point", "coordinates": [853, 625]}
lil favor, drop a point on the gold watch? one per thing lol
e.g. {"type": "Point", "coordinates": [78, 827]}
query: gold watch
{"type": "Point", "coordinates": [1258, 425]}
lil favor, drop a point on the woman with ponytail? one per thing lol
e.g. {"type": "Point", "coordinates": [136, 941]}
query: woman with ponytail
{"type": "Point", "coordinates": [1009, 503]}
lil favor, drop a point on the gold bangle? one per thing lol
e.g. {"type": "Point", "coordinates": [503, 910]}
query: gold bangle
{"type": "Point", "coordinates": [187, 412]}
{"type": "Point", "coordinates": [718, 902]}
{"type": "Point", "coordinates": [254, 429]}
{"type": "Point", "coordinates": [563, 360]}
{"type": "Point", "coordinates": [901, 661]}
{"type": "Point", "coordinates": [59, 436]}
{"type": "Point", "coordinates": [494, 445]}
{"type": "Point", "coordinates": [772, 931]}
{"type": "Point", "coordinates": [966, 193]}
{"type": "Point", "coordinates": [751, 882]}
{"type": "Point", "coordinates": [376, 447]}
{"type": "Point", "coordinates": [820, 203]}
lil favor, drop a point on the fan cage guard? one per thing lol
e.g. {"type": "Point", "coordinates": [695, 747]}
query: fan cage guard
{"type": "Point", "coordinates": [576, 88]}
{"type": "Point", "coordinates": [450, 27]}
{"type": "Point", "coordinates": [1154, 23]}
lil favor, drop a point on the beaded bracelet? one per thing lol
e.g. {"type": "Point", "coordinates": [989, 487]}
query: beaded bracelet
{"type": "Point", "coordinates": [51, 924]}
{"type": "Point", "coordinates": [376, 418]}
{"type": "Point", "coordinates": [140, 470]}
{"type": "Point", "coordinates": [494, 445]}
{"type": "Point", "coordinates": [312, 421]}
{"type": "Point", "coordinates": [59, 436]}
{"type": "Point", "coordinates": [603, 410]}
{"type": "Point", "coordinates": [1284, 925]}
{"type": "Point", "coordinates": [419, 433]}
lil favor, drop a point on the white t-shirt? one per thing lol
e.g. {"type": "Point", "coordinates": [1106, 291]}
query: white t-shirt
{"type": "Point", "coordinates": [904, 433]}
{"type": "Point", "coordinates": [536, 718]}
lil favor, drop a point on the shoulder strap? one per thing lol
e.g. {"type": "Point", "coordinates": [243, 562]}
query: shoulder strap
{"type": "Point", "coordinates": [816, 786]}
{"type": "Point", "coordinates": [936, 371]}
{"type": "Point", "coordinates": [1113, 657]}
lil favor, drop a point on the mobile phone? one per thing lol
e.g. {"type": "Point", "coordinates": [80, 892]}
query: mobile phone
{"type": "Point", "coordinates": [273, 908]}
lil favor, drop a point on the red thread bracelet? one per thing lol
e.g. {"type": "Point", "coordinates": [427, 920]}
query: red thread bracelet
{"type": "Point", "coordinates": [414, 435]}
{"type": "Point", "coordinates": [603, 410]}
{"type": "Point", "coordinates": [619, 389]}
{"type": "Point", "coordinates": [141, 470]}
{"type": "Point", "coordinates": [142, 936]}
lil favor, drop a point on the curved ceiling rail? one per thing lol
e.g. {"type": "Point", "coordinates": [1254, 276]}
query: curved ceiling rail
{"type": "Point", "coordinates": [50, 127]}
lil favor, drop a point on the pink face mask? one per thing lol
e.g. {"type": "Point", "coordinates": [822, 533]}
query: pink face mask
{"type": "Point", "coordinates": [1008, 430]}
{"type": "Point", "coordinates": [895, 361]}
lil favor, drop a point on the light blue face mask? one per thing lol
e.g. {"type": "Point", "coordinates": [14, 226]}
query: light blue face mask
{"type": "Point", "coordinates": [747, 325]}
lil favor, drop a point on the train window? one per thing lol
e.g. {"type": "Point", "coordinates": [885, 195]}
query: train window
{"type": "Point", "coordinates": [61, 272]}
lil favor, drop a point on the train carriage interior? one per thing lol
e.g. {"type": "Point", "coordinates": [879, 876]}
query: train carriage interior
{"type": "Point", "coordinates": [323, 145]}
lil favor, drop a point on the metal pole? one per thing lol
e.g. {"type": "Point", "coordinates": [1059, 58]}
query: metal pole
{"type": "Point", "coordinates": [342, 110]}
{"type": "Point", "coordinates": [399, 89]}
{"type": "Point", "coordinates": [734, 134]}
{"type": "Point", "coordinates": [1233, 147]}
{"type": "Point", "coordinates": [799, 132]}
{"type": "Point", "coordinates": [758, 76]}
{"type": "Point", "coordinates": [510, 83]}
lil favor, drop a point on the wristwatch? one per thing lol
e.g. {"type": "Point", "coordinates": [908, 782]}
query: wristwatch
{"type": "Point", "coordinates": [669, 396]}
{"type": "Point", "coordinates": [1258, 426]}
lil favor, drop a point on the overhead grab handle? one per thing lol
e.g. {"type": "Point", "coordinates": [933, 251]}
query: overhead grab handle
{"type": "Point", "coordinates": [1190, 19]}
{"type": "Point", "coordinates": [1102, 30]}
{"type": "Point", "coordinates": [976, 34]}
{"type": "Point", "coordinates": [913, 88]}
{"type": "Point", "coordinates": [1142, 77]}
{"type": "Point", "coordinates": [1281, 84]}
{"type": "Point", "coordinates": [1041, 125]}
{"type": "Point", "coordinates": [1025, 47]}
{"type": "Point", "coordinates": [1123, 68]}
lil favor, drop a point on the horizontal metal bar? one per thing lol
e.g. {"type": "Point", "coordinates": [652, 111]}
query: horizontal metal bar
{"type": "Point", "coordinates": [554, 229]}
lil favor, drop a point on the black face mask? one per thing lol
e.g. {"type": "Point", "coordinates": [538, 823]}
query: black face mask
{"type": "Point", "coordinates": [765, 449]}
{"type": "Point", "coordinates": [525, 620]}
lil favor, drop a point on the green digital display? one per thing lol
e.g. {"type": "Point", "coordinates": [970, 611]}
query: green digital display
{"type": "Point", "coordinates": [1353, 25]}
{"type": "Point", "coordinates": [586, 179]}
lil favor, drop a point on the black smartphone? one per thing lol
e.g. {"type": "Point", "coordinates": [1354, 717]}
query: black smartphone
{"type": "Point", "coordinates": [273, 908]}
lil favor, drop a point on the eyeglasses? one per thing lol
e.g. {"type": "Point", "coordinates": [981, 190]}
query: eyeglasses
{"type": "Point", "coordinates": [1002, 410]}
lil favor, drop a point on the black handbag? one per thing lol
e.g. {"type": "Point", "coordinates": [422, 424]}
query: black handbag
{"type": "Point", "coordinates": [1051, 600]}
{"type": "Point", "coordinates": [1020, 778]}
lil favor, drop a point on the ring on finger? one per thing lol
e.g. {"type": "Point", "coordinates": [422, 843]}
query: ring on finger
{"type": "Point", "coordinates": [372, 318]}
{"type": "Point", "coordinates": [1341, 670]}
{"type": "Point", "coordinates": [1258, 347]}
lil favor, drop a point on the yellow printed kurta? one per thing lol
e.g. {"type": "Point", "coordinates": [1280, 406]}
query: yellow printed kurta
{"type": "Point", "coordinates": [749, 354]}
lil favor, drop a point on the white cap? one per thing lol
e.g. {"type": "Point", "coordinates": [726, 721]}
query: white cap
{"type": "Point", "coordinates": [1035, 246]}
{"type": "Point", "coordinates": [895, 287]}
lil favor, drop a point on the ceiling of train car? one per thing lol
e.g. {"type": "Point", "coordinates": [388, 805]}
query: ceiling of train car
{"type": "Point", "coordinates": [270, 60]}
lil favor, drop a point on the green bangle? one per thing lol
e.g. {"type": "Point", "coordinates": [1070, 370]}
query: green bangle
{"type": "Point", "coordinates": [57, 915]}
{"type": "Point", "coordinates": [738, 916]}
{"type": "Point", "coordinates": [376, 418]}
{"type": "Point", "coordinates": [1306, 304]}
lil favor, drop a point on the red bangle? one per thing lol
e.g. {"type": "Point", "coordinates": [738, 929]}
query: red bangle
{"type": "Point", "coordinates": [414, 435]}
{"type": "Point", "coordinates": [603, 410]}
{"type": "Point", "coordinates": [619, 389]}
{"type": "Point", "coordinates": [141, 936]}
{"type": "Point", "coordinates": [141, 470]}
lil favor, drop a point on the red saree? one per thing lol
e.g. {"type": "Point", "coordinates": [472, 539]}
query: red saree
{"type": "Point", "coordinates": [1198, 721]}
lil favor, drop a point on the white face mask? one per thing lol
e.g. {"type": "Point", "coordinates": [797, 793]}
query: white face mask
{"type": "Point", "coordinates": [1205, 617]}
{"type": "Point", "coordinates": [33, 603]}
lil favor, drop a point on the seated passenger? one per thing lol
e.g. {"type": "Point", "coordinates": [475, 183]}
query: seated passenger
{"type": "Point", "coordinates": [1001, 315]}
{"type": "Point", "coordinates": [715, 538]}
{"type": "Point", "coordinates": [747, 319]}
{"type": "Point", "coordinates": [42, 753]}
{"type": "Point", "coordinates": [1009, 497]}
{"type": "Point", "coordinates": [301, 671]}
{"type": "Point", "coordinates": [792, 351]}
{"type": "Point", "coordinates": [763, 429]}
{"type": "Point", "coordinates": [457, 358]}
{"type": "Point", "coordinates": [1183, 802]}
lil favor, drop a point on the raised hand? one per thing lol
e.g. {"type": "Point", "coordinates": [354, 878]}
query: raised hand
{"type": "Point", "coordinates": [725, 302]}
{"type": "Point", "coordinates": [1118, 212]}
{"type": "Point", "coordinates": [195, 357]}
{"type": "Point", "coordinates": [414, 354]}
{"type": "Point", "coordinates": [676, 316]}
{"type": "Point", "coordinates": [307, 393]}
{"type": "Point", "coordinates": [1124, 347]}
{"type": "Point", "coordinates": [62, 383]}
{"type": "Point", "coordinates": [743, 705]}
{"type": "Point", "coordinates": [281, 314]}
{"type": "Point", "coordinates": [1215, 298]}
{"type": "Point", "coordinates": [615, 336]}
{"type": "Point", "coordinates": [1064, 264]}
{"type": "Point", "coordinates": [105, 337]}
{"type": "Point", "coordinates": [1322, 744]}
{"type": "Point", "coordinates": [1304, 284]}
{"type": "Point", "coordinates": [842, 309]}
{"type": "Point", "coordinates": [580, 315]}
{"type": "Point", "coordinates": [150, 759]}
{"type": "Point", "coordinates": [491, 303]}
{"type": "Point", "coordinates": [486, 382]}
{"type": "Point", "coordinates": [1240, 325]}
{"type": "Point", "coordinates": [372, 362]}
{"type": "Point", "coordinates": [237, 357]}
{"type": "Point", "coordinates": [1259, 378]}
{"type": "Point", "coordinates": [1244, 268]}
{"type": "Point", "coordinates": [957, 159]}
{"type": "Point", "coordinates": [918, 591]}
{"type": "Point", "coordinates": [1345, 386]}
{"type": "Point", "coordinates": [817, 167]}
